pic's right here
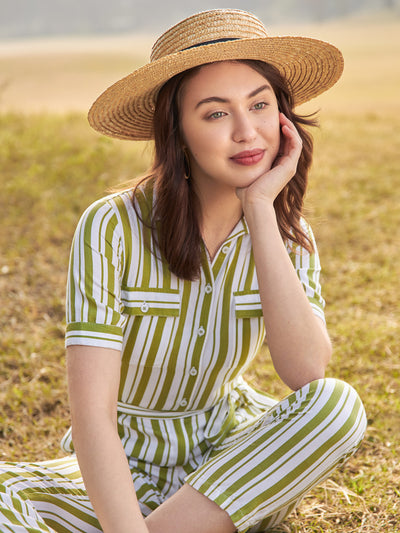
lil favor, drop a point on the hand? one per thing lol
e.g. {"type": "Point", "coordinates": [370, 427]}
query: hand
{"type": "Point", "coordinates": [269, 185]}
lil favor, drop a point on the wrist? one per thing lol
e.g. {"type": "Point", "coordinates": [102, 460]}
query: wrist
{"type": "Point", "coordinates": [259, 210]}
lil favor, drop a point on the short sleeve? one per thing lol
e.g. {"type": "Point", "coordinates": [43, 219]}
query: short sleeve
{"type": "Point", "coordinates": [93, 307]}
{"type": "Point", "coordinates": [308, 269]}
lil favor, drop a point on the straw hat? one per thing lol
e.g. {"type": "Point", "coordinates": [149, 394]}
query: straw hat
{"type": "Point", "coordinates": [125, 110]}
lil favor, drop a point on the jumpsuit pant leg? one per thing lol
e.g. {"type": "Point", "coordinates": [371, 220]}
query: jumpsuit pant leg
{"type": "Point", "coordinates": [258, 474]}
{"type": "Point", "coordinates": [46, 496]}
{"type": "Point", "coordinates": [263, 469]}
{"type": "Point", "coordinates": [50, 497]}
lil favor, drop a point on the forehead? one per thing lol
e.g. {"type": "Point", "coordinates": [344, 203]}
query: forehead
{"type": "Point", "coordinates": [223, 78]}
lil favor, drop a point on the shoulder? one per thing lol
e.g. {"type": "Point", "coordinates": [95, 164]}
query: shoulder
{"type": "Point", "coordinates": [110, 204]}
{"type": "Point", "coordinates": [298, 249]}
{"type": "Point", "coordinates": [111, 212]}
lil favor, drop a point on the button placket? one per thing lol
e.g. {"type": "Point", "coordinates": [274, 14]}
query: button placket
{"type": "Point", "coordinates": [192, 371]}
{"type": "Point", "coordinates": [220, 259]}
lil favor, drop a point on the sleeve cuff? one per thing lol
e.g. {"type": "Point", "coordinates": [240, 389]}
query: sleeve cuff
{"type": "Point", "coordinates": [89, 334]}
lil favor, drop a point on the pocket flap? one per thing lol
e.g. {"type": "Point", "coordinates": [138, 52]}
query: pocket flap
{"type": "Point", "coordinates": [247, 304]}
{"type": "Point", "coordinates": [149, 301]}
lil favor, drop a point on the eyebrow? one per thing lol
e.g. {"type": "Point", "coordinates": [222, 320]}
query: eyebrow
{"type": "Point", "coordinates": [225, 100]}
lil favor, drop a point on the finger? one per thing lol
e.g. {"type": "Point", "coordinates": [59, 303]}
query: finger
{"type": "Point", "coordinates": [285, 121]}
{"type": "Point", "coordinates": [288, 125]}
{"type": "Point", "coordinates": [292, 141]}
{"type": "Point", "coordinates": [291, 144]}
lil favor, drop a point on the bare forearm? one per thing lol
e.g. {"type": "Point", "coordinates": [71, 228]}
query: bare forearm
{"type": "Point", "coordinates": [107, 478]}
{"type": "Point", "coordinates": [298, 341]}
{"type": "Point", "coordinates": [93, 381]}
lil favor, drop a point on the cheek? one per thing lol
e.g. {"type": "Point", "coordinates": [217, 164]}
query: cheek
{"type": "Point", "coordinates": [271, 131]}
{"type": "Point", "coordinates": [201, 143]}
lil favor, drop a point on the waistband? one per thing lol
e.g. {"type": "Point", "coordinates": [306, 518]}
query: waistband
{"type": "Point", "coordinates": [134, 410]}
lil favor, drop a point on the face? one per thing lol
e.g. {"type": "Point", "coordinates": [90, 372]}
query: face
{"type": "Point", "coordinates": [230, 125]}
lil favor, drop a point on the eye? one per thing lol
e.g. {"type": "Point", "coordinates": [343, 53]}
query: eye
{"type": "Point", "coordinates": [260, 105]}
{"type": "Point", "coordinates": [216, 115]}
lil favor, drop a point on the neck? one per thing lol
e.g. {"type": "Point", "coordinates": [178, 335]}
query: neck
{"type": "Point", "coordinates": [221, 210]}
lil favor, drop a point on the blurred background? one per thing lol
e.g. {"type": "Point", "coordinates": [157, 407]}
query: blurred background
{"type": "Point", "coordinates": [58, 55]}
{"type": "Point", "coordinates": [36, 18]}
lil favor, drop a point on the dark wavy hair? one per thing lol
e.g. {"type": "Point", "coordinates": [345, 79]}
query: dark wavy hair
{"type": "Point", "coordinates": [175, 218]}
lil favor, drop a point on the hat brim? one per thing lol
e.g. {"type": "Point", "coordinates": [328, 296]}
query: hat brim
{"type": "Point", "coordinates": [125, 110]}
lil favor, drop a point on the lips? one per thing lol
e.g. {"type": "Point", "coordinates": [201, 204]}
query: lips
{"type": "Point", "coordinates": [248, 157]}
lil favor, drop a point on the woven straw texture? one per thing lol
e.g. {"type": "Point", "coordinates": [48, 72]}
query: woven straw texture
{"type": "Point", "coordinates": [125, 110]}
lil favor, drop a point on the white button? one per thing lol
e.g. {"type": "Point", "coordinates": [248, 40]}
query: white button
{"type": "Point", "coordinates": [183, 403]}
{"type": "Point", "coordinates": [225, 249]}
{"type": "Point", "coordinates": [208, 288]}
{"type": "Point", "coordinates": [201, 331]}
{"type": "Point", "coordinates": [145, 307]}
{"type": "Point", "coordinates": [193, 371]}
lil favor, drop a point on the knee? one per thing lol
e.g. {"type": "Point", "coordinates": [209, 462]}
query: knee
{"type": "Point", "coordinates": [348, 420]}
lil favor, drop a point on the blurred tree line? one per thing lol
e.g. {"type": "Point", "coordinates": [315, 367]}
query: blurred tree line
{"type": "Point", "coordinates": [35, 18]}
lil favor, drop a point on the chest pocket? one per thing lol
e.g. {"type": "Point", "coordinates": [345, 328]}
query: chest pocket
{"type": "Point", "coordinates": [151, 302]}
{"type": "Point", "coordinates": [247, 304]}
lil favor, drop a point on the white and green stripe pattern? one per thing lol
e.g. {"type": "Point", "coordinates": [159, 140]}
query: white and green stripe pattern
{"type": "Point", "coordinates": [183, 343]}
{"type": "Point", "coordinates": [258, 476]}
{"type": "Point", "coordinates": [45, 497]}
{"type": "Point", "coordinates": [258, 471]}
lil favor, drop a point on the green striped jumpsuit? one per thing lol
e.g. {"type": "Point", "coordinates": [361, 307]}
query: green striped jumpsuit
{"type": "Point", "coordinates": [185, 413]}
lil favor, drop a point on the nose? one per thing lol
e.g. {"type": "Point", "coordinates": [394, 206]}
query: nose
{"type": "Point", "coordinates": [243, 128]}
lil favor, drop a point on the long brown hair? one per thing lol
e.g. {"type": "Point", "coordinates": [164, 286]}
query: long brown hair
{"type": "Point", "coordinates": [175, 218]}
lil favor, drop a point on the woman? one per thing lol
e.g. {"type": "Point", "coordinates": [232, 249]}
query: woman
{"type": "Point", "coordinates": [171, 284]}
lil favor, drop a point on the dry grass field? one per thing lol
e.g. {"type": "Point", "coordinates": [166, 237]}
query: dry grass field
{"type": "Point", "coordinates": [53, 166]}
